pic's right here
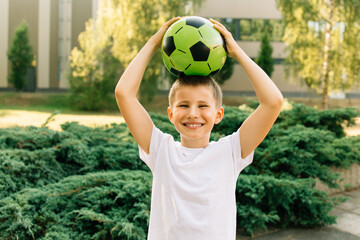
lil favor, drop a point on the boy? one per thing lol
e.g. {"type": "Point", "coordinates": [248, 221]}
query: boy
{"type": "Point", "coordinates": [193, 192]}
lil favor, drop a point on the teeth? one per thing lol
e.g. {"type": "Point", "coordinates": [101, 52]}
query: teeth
{"type": "Point", "coordinates": [193, 125]}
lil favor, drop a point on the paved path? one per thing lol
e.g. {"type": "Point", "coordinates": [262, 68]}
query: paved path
{"type": "Point", "coordinates": [12, 118]}
{"type": "Point", "coordinates": [346, 228]}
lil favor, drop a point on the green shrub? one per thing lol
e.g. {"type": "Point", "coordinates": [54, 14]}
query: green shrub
{"type": "Point", "coordinates": [233, 118]}
{"type": "Point", "coordinates": [303, 143]}
{"type": "Point", "coordinates": [347, 151]}
{"type": "Point", "coordinates": [300, 152]}
{"type": "Point", "coordinates": [33, 157]}
{"type": "Point", "coordinates": [92, 95]}
{"type": "Point", "coordinates": [89, 183]}
{"type": "Point", "coordinates": [331, 120]}
{"type": "Point", "coordinates": [29, 138]}
{"type": "Point", "coordinates": [262, 200]}
{"type": "Point", "coordinates": [115, 205]}
{"type": "Point", "coordinates": [21, 168]}
{"type": "Point", "coordinates": [103, 205]}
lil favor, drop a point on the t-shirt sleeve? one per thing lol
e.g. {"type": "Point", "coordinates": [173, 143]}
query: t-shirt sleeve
{"type": "Point", "coordinates": [240, 163]}
{"type": "Point", "coordinates": [156, 138]}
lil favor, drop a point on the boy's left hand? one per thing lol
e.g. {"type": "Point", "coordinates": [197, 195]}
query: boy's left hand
{"type": "Point", "coordinates": [156, 39]}
{"type": "Point", "coordinates": [231, 44]}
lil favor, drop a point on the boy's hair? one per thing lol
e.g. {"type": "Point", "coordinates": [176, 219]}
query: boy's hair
{"type": "Point", "coordinates": [196, 81]}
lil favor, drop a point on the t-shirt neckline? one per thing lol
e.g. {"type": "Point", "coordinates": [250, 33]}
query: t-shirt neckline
{"type": "Point", "coordinates": [189, 154]}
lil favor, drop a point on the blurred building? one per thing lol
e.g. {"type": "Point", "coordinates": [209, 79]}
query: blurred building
{"type": "Point", "coordinates": [54, 26]}
{"type": "Point", "coordinates": [246, 20]}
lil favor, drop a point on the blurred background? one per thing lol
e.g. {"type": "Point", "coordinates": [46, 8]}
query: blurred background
{"type": "Point", "coordinates": [86, 44]}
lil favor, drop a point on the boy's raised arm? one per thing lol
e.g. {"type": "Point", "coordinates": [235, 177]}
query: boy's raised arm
{"type": "Point", "coordinates": [258, 124]}
{"type": "Point", "coordinates": [135, 116]}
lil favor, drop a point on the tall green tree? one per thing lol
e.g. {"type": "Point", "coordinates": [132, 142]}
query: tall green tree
{"type": "Point", "coordinates": [20, 56]}
{"type": "Point", "coordinates": [265, 60]}
{"type": "Point", "coordinates": [226, 71]}
{"type": "Point", "coordinates": [119, 32]}
{"type": "Point", "coordinates": [323, 38]}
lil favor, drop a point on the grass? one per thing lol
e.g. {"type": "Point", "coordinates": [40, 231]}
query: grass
{"type": "Point", "coordinates": [45, 102]}
{"type": "Point", "coordinates": [50, 102]}
{"type": "Point", "coordinates": [42, 102]}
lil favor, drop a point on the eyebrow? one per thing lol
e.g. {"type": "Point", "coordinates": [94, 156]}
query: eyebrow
{"type": "Point", "coordinates": [198, 102]}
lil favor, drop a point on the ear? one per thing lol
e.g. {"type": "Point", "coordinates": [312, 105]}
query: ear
{"type": "Point", "coordinates": [170, 114]}
{"type": "Point", "coordinates": [219, 115]}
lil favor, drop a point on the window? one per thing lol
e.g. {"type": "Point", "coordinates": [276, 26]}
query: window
{"type": "Point", "coordinates": [245, 27]}
{"type": "Point", "coordinates": [252, 29]}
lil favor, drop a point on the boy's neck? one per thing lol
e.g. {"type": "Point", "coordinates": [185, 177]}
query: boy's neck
{"type": "Point", "coordinates": [195, 143]}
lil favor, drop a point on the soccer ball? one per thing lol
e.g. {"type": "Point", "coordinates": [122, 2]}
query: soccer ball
{"type": "Point", "coordinates": [192, 46]}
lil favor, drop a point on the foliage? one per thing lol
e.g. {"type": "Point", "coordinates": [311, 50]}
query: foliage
{"type": "Point", "coordinates": [89, 183]}
{"type": "Point", "coordinates": [265, 60]}
{"type": "Point", "coordinates": [32, 157]}
{"type": "Point", "coordinates": [332, 120]}
{"type": "Point", "coordinates": [20, 55]}
{"type": "Point", "coordinates": [226, 71]}
{"type": "Point", "coordinates": [102, 205]}
{"type": "Point", "coordinates": [300, 152]}
{"type": "Point", "coordinates": [21, 169]}
{"type": "Point", "coordinates": [307, 142]}
{"type": "Point", "coordinates": [94, 71]}
{"type": "Point", "coordinates": [323, 39]}
{"type": "Point", "coordinates": [233, 118]}
{"type": "Point", "coordinates": [265, 199]}
{"type": "Point", "coordinates": [109, 44]}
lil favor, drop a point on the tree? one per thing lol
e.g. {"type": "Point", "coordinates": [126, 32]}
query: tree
{"type": "Point", "coordinates": [119, 32]}
{"type": "Point", "coordinates": [20, 55]}
{"type": "Point", "coordinates": [265, 60]}
{"type": "Point", "coordinates": [323, 38]}
{"type": "Point", "coordinates": [226, 71]}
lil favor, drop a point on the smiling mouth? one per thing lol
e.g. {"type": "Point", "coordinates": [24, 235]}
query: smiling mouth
{"type": "Point", "coordinates": [193, 125]}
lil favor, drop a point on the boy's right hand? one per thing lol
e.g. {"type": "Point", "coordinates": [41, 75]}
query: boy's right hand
{"type": "Point", "coordinates": [156, 39]}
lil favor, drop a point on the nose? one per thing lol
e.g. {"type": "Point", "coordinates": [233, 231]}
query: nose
{"type": "Point", "coordinates": [193, 112]}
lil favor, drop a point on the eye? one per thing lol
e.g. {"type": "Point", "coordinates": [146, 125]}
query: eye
{"type": "Point", "coordinates": [203, 106]}
{"type": "Point", "coordinates": [183, 105]}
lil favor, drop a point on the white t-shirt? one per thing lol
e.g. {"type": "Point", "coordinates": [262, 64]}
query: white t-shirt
{"type": "Point", "coordinates": [193, 190]}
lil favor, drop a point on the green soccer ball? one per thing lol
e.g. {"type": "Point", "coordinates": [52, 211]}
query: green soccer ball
{"type": "Point", "coordinates": [192, 46]}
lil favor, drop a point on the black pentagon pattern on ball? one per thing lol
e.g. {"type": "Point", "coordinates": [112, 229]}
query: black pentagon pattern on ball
{"type": "Point", "coordinates": [194, 22]}
{"type": "Point", "coordinates": [214, 72]}
{"type": "Point", "coordinates": [169, 45]}
{"type": "Point", "coordinates": [175, 72]}
{"type": "Point", "coordinates": [200, 52]}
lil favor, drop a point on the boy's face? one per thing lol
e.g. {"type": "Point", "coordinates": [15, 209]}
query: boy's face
{"type": "Point", "coordinates": [194, 112]}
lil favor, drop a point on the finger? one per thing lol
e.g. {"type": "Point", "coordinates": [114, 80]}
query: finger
{"type": "Point", "coordinates": [166, 25]}
{"type": "Point", "coordinates": [171, 21]}
{"type": "Point", "coordinates": [220, 28]}
{"type": "Point", "coordinates": [213, 20]}
{"type": "Point", "coordinates": [217, 23]}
